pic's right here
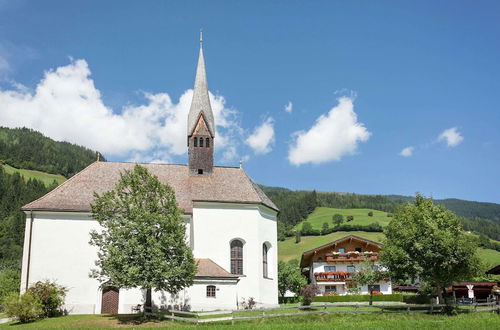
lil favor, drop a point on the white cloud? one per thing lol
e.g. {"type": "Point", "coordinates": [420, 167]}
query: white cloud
{"type": "Point", "coordinates": [407, 152]}
{"type": "Point", "coordinates": [451, 136]}
{"type": "Point", "coordinates": [332, 136]}
{"type": "Point", "coordinates": [262, 138]}
{"type": "Point", "coordinates": [67, 106]}
{"type": "Point", "coordinates": [289, 107]}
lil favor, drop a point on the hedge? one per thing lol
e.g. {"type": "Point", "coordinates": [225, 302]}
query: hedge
{"type": "Point", "coordinates": [360, 298]}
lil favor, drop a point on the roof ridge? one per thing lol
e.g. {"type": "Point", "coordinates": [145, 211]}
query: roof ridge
{"type": "Point", "coordinates": [61, 185]}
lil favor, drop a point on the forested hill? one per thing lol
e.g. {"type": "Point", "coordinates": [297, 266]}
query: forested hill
{"type": "Point", "coordinates": [28, 149]}
{"type": "Point", "coordinates": [483, 218]}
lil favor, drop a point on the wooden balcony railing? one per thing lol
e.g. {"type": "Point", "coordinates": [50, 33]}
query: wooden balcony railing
{"type": "Point", "coordinates": [333, 276]}
{"type": "Point", "coordinates": [351, 257]}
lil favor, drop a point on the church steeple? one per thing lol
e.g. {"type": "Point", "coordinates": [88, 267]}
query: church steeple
{"type": "Point", "coordinates": [201, 126]}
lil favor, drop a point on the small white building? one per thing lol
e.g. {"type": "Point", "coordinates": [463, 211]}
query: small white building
{"type": "Point", "coordinates": [332, 266]}
{"type": "Point", "coordinates": [230, 226]}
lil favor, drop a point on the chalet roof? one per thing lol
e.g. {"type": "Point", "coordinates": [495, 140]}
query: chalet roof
{"type": "Point", "coordinates": [201, 100]}
{"type": "Point", "coordinates": [208, 268]}
{"type": "Point", "coordinates": [307, 255]}
{"type": "Point", "coordinates": [225, 184]}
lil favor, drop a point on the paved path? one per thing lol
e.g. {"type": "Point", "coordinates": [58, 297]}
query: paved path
{"type": "Point", "coordinates": [5, 320]}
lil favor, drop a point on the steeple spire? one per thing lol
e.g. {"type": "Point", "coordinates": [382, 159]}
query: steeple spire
{"type": "Point", "coordinates": [201, 101]}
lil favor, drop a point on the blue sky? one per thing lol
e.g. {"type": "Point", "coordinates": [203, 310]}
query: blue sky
{"type": "Point", "coordinates": [366, 79]}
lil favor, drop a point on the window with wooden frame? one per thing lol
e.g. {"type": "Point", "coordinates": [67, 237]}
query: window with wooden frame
{"type": "Point", "coordinates": [237, 257]}
{"type": "Point", "coordinates": [195, 141]}
{"type": "Point", "coordinates": [207, 142]}
{"type": "Point", "coordinates": [210, 291]}
{"type": "Point", "coordinates": [265, 249]}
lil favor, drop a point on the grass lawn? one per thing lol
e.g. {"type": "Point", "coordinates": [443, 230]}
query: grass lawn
{"type": "Point", "coordinates": [483, 320]}
{"type": "Point", "coordinates": [30, 174]}
{"type": "Point", "coordinates": [324, 214]}
{"type": "Point", "coordinates": [288, 249]}
{"type": "Point", "coordinates": [491, 257]}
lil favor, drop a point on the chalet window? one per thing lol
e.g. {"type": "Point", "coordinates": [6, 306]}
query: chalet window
{"type": "Point", "coordinates": [351, 269]}
{"type": "Point", "coordinates": [237, 257]}
{"type": "Point", "coordinates": [341, 250]}
{"type": "Point", "coordinates": [207, 144]}
{"type": "Point", "coordinates": [195, 142]}
{"type": "Point", "coordinates": [330, 288]}
{"type": "Point", "coordinates": [330, 268]}
{"type": "Point", "coordinates": [201, 142]}
{"type": "Point", "coordinates": [210, 291]}
{"type": "Point", "coordinates": [264, 260]}
{"type": "Point", "coordinates": [319, 259]}
{"type": "Point", "coordinates": [374, 288]}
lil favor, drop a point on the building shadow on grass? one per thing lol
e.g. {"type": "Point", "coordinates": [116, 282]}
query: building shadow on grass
{"type": "Point", "coordinates": [132, 319]}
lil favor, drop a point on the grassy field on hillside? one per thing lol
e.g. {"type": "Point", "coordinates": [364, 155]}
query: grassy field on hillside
{"type": "Point", "coordinates": [479, 320]}
{"type": "Point", "coordinates": [324, 214]}
{"type": "Point", "coordinates": [491, 257]}
{"type": "Point", "coordinates": [46, 178]}
{"type": "Point", "coordinates": [288, 249]}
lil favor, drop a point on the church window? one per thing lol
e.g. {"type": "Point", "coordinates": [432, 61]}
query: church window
{"type": "Point", "coordinates": [264, 260]}
{"type": "Point", "coordinates": [210, 291]}
{"type": "Point", "coordinates": [195, 142]}
{"type": "Point", "coordinates": [201, 142]}
{"type": "Point", "coordinates": [207, 140]}
{"type": "Point", "coordinates": [237, 257]}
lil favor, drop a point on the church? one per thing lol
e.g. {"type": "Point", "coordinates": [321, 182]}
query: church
{"type": "Point", "coordinates": [231, 226]}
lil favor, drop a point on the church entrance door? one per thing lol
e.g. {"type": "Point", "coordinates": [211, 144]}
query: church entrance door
{"type": "Point", "coordinates": [110, 297]}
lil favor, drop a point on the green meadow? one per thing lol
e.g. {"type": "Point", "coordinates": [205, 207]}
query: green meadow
{"type": "Point", "coordinates": [46, 178]}
{"type": "Point", "coordinates": [324, 214]}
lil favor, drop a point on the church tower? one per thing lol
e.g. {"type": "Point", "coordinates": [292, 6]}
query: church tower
{"type": "Point", "coordinates": [201, 126]}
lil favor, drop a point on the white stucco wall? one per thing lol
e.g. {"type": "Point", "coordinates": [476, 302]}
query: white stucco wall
{"type": "Point", "coordinates": [60, 251]}
{"type": "Point", "coordinates": [216, 225]}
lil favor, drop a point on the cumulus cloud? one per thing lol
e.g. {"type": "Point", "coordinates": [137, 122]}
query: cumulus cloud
{"type": "Point", "coordinates": [289, 107]}
{"type": "Point", "coordinates": [262, 138]}
{"type": "Point", "coordinates": [332, 136]}
{"type": "Point", "coordinates": [407, 152]}
{"type": "Point", "coordinates": [451, 136]}
{"type": "Point", "coordinates": [67, 106]}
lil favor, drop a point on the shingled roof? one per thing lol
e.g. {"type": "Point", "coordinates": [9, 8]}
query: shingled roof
{"type": "Point", "coordinates": [208, 268]}
{"type": "Point", "coordinates": [226, 184]}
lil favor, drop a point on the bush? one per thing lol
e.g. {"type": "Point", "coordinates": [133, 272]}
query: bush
{"type": "Point", "coordinates": [326, 229]}
{"type": "Point", "coordinates": [359, 298]}
{"type": "Point", "coordinates": [350, 218]}
{"type": "Point", "coordinates": [337, 219]}
{"type": "Point", "coordinates": [309, 293]}
{"type": "Point", "coordinates": [411, 298]}
{"type": "Point", "coordinates": [389, 215]}
{"type": "Point", "coordinates": [370, 214]}
{"type": "Point", "coordinates": [288, 300]}
{"type": "Point", "coordinates": [9, 282]}
{"type": "Point", "coordinates": [25, 308]}
{"type": "Point", "coordinates": [50, 295]}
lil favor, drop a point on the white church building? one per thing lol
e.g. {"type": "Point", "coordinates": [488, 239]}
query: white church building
{"type": "Point", "coordinates": [231, 226]}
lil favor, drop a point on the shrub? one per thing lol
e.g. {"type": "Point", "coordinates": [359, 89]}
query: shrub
{"type": "Point", "coordinates": [326, 229]}
{"type": "Point", "coordinates": [389, 215]}
{"type": "Point", "coordinates": [25, 308]}
{"type": "Point", "coordinates": [9, 282]}
{"type": "Point", "coordinates": [359, 298]}
{"type": "Point", "coordinates": [370, 214]}
{"type": "Point", "coordinates": [308, 294]}
{"type": "Point", "coordinates": [248, 304]}
{"type": "Point", "coordinates": [297, 237]}
{"type": "Point", "coordinates": [50, 295]}
{"type": "Point", "coordinates": [350, 218]}
{"type": "Point", "coordinates": [337, 219]}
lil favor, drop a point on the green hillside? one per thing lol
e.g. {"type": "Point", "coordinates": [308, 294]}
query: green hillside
{"type": "Point", "coordinates": [324, 214]}
{"type": "Point", "coordinates": [46, 178]}
{"type": "Point", "coordinates": [288, 249]}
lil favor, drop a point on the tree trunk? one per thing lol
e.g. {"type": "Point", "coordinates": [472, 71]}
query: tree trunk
{"type": "Point", "coordinates": [371, 297]}
{"type": "Point", "coordinates": [148, 306]}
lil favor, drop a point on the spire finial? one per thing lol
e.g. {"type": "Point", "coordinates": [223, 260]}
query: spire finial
{"type": "Point", "coordinates": [201, 37]}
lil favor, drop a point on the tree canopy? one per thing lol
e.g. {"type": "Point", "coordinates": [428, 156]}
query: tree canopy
{"type": "Point", "coordinates": [425, 241]}
{"type": "Point", "coordinates": [290, 278]}
{"type": "Point", "coordinates": [143, 238]}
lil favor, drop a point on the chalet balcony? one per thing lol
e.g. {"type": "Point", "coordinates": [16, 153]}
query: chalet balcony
{"type": "Point", "coordinates": [333, 276]}
{"type": "Point", "coordinates": [351, 257]}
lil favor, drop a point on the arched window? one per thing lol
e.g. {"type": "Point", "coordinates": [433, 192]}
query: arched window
{"type": "Point", "coordinates": [195, 142]}
{"type": "Point", "coordinates": [237, 257]}
{"type": "Point", "coordinates": [264, 260]}
{"type": "Point", "coordinates": [201, 142]}
{"type": "Point", "coordinates": [207, 144]}
{"type": "Point", "coordinates": [210, 291]}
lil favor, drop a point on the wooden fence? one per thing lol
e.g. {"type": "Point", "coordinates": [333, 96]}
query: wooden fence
{"type": "Point", "coordinates": [326, 308]}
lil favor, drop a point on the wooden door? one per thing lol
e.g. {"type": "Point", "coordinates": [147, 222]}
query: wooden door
{"type": "Point", "coordinates": [110, 297]}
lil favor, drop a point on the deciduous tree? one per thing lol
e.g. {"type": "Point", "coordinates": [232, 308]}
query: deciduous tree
{"type": "Point", "coordinates": [290, 278]}
{"type": "Point", "coordinates": [142, 242]}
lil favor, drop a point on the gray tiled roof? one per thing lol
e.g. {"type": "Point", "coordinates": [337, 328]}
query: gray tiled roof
{"type": "Point", "coordinates": [225, 184]}
{"type": "Point", "coordinates": [208, 268]}
{"type": "Point", "coordinates": [201, 100]}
